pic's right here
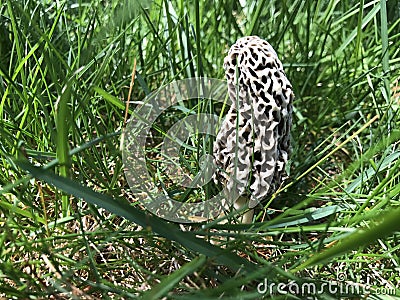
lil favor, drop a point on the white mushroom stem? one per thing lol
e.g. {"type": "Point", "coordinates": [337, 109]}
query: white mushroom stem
{"type": "Point", "coordinates": [247, 217]}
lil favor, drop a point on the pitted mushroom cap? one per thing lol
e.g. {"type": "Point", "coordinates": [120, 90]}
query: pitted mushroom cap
{"type": "Point", "coordinates": [252, 146]}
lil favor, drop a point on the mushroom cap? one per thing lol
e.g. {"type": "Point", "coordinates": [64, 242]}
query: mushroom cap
{"type": "Point", "coordinates": [253, 144]}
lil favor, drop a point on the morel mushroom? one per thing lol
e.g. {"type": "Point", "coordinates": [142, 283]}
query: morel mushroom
{"type": "Point", "coordinates": [252, 146]}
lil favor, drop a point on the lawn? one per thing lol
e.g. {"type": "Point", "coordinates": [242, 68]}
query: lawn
{"type": "Point", "coordinates": [72, 76]}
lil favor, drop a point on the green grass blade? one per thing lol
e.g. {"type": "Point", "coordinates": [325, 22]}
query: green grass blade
{"type": "Point", "coordinates": [385, 54]}
{"type": "Point", "coordinates": [353, 34]}
{"type": "Point", "coordinates": [170, 281]}
{"type": "Point", "coordinates": [389, 224]}
{"type": "Point", "coordinates": [63, 121]}
{"type": "Point", "coordinates": [123, 209]}
{"type": "Point", "coordinates": [110, 98]}
{"type": "Point", "coordinates": [255, 18]}
{"type": "Point", "coordinates": [4, 204]}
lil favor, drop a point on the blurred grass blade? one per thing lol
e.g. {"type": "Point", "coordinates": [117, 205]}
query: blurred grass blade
{"type": "Point", "coordinates": [307, 216]}
{"type": "Point", "coordinates": [110, 98]}
{"type": "Point", "coordinates": [5, 205]}
{"type": "Point", "coordinates": [255, 18]}
{"type": "Point", "coordinates": [170, 281]}
{"type": "Point", "coordinates": [367, 174]}
{"type": "Point", "coordinates": [302, 217]}
{"type": "Point", "coordinates": [63, 122]}
{"type": "Point", "coordinates": [123, 209]}
{"type": "Point", "coordinates": [385, 56]}
{"type": "Point", "coordinates": [353, 34]}
{"type": "Point", "coordinates": [362, 237]}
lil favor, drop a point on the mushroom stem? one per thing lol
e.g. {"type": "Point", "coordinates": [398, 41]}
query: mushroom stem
{"type": "Point", "coordinates": [247, 217]}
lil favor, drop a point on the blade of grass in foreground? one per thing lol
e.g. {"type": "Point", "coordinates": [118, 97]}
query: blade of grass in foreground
{"type": "Point", "coordinates": [172, 280]}
{"type": "Point", "coordinates": [123, 209]}
{"type": "Point", "coordinates": [62, 150]}
{"type": "Point", "coordinates": [362, 237]}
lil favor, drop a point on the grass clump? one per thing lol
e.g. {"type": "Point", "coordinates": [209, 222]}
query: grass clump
{"type": "Point", "coordinates": [70, 226]}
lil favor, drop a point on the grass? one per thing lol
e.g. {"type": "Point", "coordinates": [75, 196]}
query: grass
{"type": "Point", "coordinates": [71, 227]}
